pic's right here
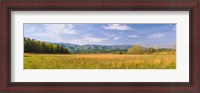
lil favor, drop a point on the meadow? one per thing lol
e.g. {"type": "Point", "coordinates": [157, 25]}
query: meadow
{"type": "Point", "coordinates": [99, 61]}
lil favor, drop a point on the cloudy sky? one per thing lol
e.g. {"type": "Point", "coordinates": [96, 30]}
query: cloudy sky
{"type": "Point", "coordinates": [163, 35]}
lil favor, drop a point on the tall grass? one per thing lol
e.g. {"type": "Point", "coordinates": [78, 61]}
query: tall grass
{"type": "Point", "coordinates": [99, 61]}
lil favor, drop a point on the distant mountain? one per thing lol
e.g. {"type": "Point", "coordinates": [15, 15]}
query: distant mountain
{"type": "Point", "coordinates": [86, 49]}
{"type": "Point", "coordinates": [73, 48]}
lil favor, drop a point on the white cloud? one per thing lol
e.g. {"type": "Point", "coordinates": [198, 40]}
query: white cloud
{"type": "Point", "coordinates": [157, 35]}
{"type": "Point", "coordinates": [116, 38]}
{"type": "Point", "coordinates": [60, 28]}
{"type": "Point", "coordinates": [109, 34]}
{"type": "Point", "coordinates": [87, 40]}
{"type": "Point", "coordinates": [133, 36]}
{"type": "Point", "coordinates": [174, 28]}
{"type": "Point", "coordinates": [121, 27]}
{"type": "Point", "coordinates": [51, 32]}
{"type": "Point", "coordinates": [31, 29]}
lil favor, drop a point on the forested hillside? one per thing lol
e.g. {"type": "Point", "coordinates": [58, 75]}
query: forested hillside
{"type": "Point", "coordinates": [36, 46]}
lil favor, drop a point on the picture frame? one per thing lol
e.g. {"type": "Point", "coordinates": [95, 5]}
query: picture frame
{"type": "Point", "coordinates": [193, 86]}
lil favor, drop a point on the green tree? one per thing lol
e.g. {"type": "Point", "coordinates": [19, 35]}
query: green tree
{"type": "Point", "coordinates": [36, 46]}
{"type": "Point", "coordinates": [150, 50]}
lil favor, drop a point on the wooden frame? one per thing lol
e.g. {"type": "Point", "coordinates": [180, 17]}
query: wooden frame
{"type": "Point", "coordinates": [124, 5]}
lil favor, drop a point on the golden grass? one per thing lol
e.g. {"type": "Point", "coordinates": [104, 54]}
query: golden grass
{"type": "Point", "coordinates": [99, 61]}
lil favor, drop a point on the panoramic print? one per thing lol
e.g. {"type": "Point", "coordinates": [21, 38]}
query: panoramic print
{"type": "Point", "coordinates": [99, 46]}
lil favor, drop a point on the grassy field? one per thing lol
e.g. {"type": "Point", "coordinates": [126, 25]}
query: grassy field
{"type": "Point", "coordinates": [98, 61]}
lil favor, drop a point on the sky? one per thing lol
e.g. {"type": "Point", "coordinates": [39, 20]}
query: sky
{"type": "Point", "coordinates": [162, 35]}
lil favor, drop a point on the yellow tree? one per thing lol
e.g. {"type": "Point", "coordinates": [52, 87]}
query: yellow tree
{"type": "Point", "coordinates": [135, 49]}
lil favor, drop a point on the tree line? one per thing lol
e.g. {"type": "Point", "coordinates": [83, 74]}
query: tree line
{"type": "Point", "coordinates": [137, 49]}
{"type": "Point", "coordinates": [36, 46]}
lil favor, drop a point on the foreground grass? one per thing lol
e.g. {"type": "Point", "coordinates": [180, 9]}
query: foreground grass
{"type": "Point", "coordinates": [98, 61]}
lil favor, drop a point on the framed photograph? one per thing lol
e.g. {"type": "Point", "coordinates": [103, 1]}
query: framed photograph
{"type": "Point", "coordinates": [100, 46]}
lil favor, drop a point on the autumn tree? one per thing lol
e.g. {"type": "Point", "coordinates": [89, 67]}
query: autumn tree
{"type": "Point", "coordinates": [135, 49]}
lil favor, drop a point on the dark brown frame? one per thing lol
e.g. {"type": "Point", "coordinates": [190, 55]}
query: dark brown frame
{"type": "Point", "coordinates": [100, 5]}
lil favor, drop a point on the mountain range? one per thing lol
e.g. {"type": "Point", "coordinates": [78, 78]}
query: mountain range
{"type": "Point", "coordinates": [73, 48]}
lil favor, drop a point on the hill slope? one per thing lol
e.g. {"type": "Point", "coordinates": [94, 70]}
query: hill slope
{"type": "Point", "coordinates": [73, 48]}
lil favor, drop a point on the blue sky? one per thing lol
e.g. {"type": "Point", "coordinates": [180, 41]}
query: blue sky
{"type": "Point", "coordinates": [163, 35]}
